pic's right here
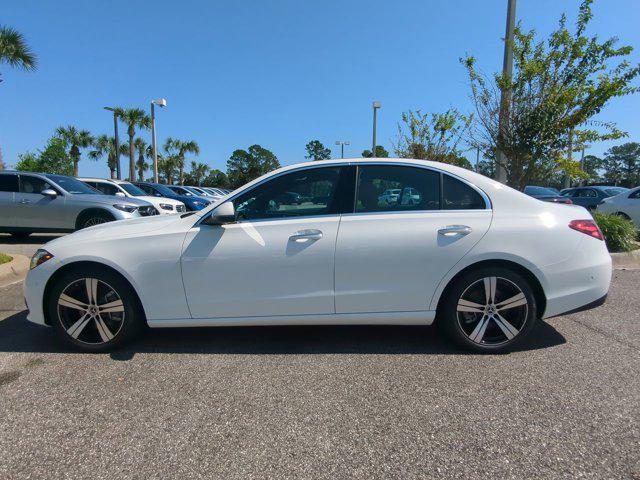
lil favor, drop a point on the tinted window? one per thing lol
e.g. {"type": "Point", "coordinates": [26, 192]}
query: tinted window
{"type": "Point", "coordinates": [8, 183]}
{"type": "Point", "coordinates": [29, 184]}
{"type": "Point", "coordinates": [533, 190]}
{"type": "Point", "coordinates": [635, 194]}
{"type": "Point", "coordinates": [72, 185]}
{"type": "Point", "coordinates": [131, 189]}
{"type": "Point", "coordinates": [105, 188]}
{"type": "Point", "coordinates": [457, 195]}
{"type": "Point", "coordinates": [614, 191]}
{"type": "Point", "coordinates": [303, 193]}
{"type": "Point", "coordinates": [383, 188]}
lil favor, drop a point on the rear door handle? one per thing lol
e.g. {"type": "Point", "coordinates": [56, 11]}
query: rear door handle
{"type": "Point", "coordinates": [24, 200]}
{"type": "Point", "coordinates": [455, 231]}
{"type": "Point", "coordinates": [306, 235]}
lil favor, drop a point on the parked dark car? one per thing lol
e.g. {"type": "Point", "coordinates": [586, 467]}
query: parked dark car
{"type": "Point", "coordinates": [546, 194]}
{"type": "Point", "coordinates": [155, 189]}
{"type": "Point", "coordinates": [590, 197]}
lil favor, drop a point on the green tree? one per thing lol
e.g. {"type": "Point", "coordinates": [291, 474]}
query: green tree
{"type": "Point", "coordinates": [246, 165]}
{"type": "Point", "coordinates": [133, 118]}
{"type": "Point", "coordinates": [141, 165]}
{"type": "Point", "coordinates": [53, 159]}
{"type": "Point", "coordinates": [433, 136]}
{"type": "Point", "coordinates": [557, 86]}
{"type": "Point", "coordinates": [14, 50]}
{"type": "Point", "coordinates": [380, 153]}
{"type": "Point", "coordinates": [103, 146]}
{"type": "Point", "coordinates": [199, 172]}
{"type": "Point", "coordinates": [77, 139]}
{"type": "Point", "coordinates": [179, 149]}
{"type": "Point", "coordinates": [591, 165]}
{"type": "Point", "coordinates": [216, 178]}
{"type": "Point", "coordinates": [622, 164]}
{"type": "Point", "coordinates": [317, 151]}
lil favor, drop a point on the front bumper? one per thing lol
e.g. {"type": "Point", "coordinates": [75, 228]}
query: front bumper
{"type": "Point", "coordinates": [33, 290]}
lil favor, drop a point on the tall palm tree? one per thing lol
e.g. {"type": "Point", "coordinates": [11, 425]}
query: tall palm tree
{"type": "Point", "coordinates": [14, 50]}
{"type": "Point", "coordinates": [167, 167]}
{"type": "Point", "coordinates": [105, 145]}
{"type": "Point", "coordinates": [142, 148]}
{"type": "Point", "coordinates": [133, 118]}
{"type": "Point", "coordinates": [77, 139]}
{"type": "Point", "coordinates": [199, 171]}
{"type": "Point", "coordinates": [180, 148]}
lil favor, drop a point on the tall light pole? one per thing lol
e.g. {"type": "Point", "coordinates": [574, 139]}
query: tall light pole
{"type": "Point", "coordinates": [342, 143]}
{"type": "Point", "coordinates": [376, 106]}
{"type": "Point", "coordinates": [115, 140]}
{"type": "Point", "coordinates": [505, 96]}
{"type": "Point", "coordinates": [161, 102]}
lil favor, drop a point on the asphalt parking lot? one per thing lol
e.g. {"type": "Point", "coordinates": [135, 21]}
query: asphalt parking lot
{"type": "Point", "coordinates": [324, 402]}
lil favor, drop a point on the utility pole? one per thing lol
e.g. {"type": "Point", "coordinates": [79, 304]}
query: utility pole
{"type": "Point", "coordinates": [115, 141]}
{"type": "Point", "coordinates": [161, 102]}
{"type": "Point", "coordinates": [567, 180]}
{"type": "Point", "coordinates": [342, 143]}
{"type": "Point", "coordinates": [477, 158]}
{"type": "Point", "coordinates": [376, 106]}
{"type": "Point", "coordinates": [505, 96]}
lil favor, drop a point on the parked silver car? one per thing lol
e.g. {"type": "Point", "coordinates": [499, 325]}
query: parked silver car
{"type": "Point", "coordinates": [34, 202]}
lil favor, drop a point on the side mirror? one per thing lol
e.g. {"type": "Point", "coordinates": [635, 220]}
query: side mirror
{"type": "Point", "coordinates": [49, 192]}
{"type": "Point", "coordinates": [120, 194]}
{"type": "Point", "coordinates": [222, 214]}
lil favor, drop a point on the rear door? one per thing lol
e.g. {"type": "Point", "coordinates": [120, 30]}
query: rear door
{"type": "Point", "coordinates": [8, 191]}
{"type": "Point", "coordinates": [35, 210]}
{"type": "Point", "coordinates": [391, 254]}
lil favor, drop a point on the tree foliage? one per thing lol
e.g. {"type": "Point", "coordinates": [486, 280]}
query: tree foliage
{"type": "Point", "coordinates": [246, 165]}
{"type": "Point", "coordinates": [53, 159]}
{"type": "Point", "coordinates": [621, 164]}
{"type": "Point", "coordinates": [433, 136]}
{"type": "Point", "coordinates": [14, 50]}
{"type": "Point", "coordinates": [76, 139]}
{"type": "Point", "coordinates": [133, 118]}
{"type": "Point", "coordinates": [558, 85]}
{"type": "Point", "coordinates": [179, 149]}
{"type": "Point", "coordinates": [105, 145]}
{"type": "Point", "coordinates": [216, 178]}
{"type": "Point", "coordinates": [380, 153]}
{"type": "Point", "coordinates": [317, 151]}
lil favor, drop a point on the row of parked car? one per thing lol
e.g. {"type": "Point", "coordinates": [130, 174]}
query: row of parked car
{"type": "Point", "coordinates": [602, 198]}
{"type": "Point", "coordinates": [34, 202]}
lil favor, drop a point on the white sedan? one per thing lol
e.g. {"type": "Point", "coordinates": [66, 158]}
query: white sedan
{"type": "Point", "coordinates": [480, 259]}
{"type": "Point", "coordinates": [625, 204]}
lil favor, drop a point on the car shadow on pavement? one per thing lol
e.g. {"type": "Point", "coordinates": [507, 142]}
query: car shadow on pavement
{"type": "Point", "coordinates": [6, 239]}
{"type": "Point", "coordinates": [17, 334]}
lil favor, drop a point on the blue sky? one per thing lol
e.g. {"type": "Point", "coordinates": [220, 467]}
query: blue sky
{"type": "Point", "coordinates": [278, 73]}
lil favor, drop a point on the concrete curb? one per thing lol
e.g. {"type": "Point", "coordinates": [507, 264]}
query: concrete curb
{"type": "Point", "coordinates": [626, 260]}
{"type": "Point", "coordinates": [14, 271]}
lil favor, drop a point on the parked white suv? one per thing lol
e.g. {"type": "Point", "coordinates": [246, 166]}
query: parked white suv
{"type": "Point", "coordinates": [123, 188]}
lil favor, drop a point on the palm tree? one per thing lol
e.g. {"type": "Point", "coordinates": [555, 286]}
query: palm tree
{"type": "Point", "coordinates": [14, 50]}
{"type": "Point", "coordinates": [105, 145]}
{"type": "Point", "coordinates": [133, 118]}
{"type": "Point", "coordinates": [180, 149]}
{"type": "Point", "coordinates": [199, 171]}
{"type": "Point", "coordinates": [77, 139]}
{"type": "Point", "coordinates": [167, 167]}
{"type": "Point", "coordinates": [142, 148]}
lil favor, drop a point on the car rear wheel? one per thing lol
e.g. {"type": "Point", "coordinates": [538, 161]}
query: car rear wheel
{"type": "Point", "coordinates": [94, 310]}
{"type": "Point", "coordinates": [489, 310]}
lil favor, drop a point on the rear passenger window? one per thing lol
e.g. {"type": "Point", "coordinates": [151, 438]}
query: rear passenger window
{"type": "Point", "coordinates": [8, 183]}
{"type": "Point", "coordinates": [391, 188]}
{"type": "Point", "coordinates": [458, 196]}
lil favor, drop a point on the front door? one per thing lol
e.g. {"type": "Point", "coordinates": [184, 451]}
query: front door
{"type": "Point", "coordinates": [278, 258]}
{"type": "Point", "coordinates": [35, 210]}
{"type": "Point", "coordinates": [391, 255]}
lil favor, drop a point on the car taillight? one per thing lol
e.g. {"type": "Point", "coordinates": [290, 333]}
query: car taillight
{"type": "Point", "coordinates": [568, 201]}
{"type": "Point", "coordinates": [587, 227]}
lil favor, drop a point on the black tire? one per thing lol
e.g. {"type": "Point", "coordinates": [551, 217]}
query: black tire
{"type": "Point", "coordinates": [19, 235]}
{"type": "Point", "coordinates": [623, 215]}
{"type": "Point", "coordinates": [91, 219]}
{"type": "Point", "coordinates": [493, 328]}
{"type": "Point", "coordinates": [101, 331]}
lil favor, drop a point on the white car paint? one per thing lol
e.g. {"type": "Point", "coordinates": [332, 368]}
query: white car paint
{"type": "Point", "coordinates": [627, 203]}
{"type": "Point", "coordinates": [369, 268]}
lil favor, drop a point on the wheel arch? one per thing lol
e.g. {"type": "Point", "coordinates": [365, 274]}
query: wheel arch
{"type": "Point", "coordinates": [69, 267]}
{"type": "Point", "coordinates": [534, 281]}
{"type": "Point", "coordinates": [92, 210]}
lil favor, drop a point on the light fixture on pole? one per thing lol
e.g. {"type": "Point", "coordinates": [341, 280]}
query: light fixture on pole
{"type": "Point", "coordinates": [161, 102]}
{"type": "Point", "coordinates": [376, 106]}
{"type": "Point", "coordinates": [115, 139]}
{"type": "Point", "coordinates": [342, 143]}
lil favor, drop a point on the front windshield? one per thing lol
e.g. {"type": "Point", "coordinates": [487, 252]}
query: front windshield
{"type": "Point", "coordinates": [615, 191]}
{"type": "Point", "coordinates": [164, 191]}
{"type": "Point", "coordinates": [131, 189]}
{"type": "Point", "coordinates": [181, 191]}
{"type": "Point", "coordinates": [73, 185]}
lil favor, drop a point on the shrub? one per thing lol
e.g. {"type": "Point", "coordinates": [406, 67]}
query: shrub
{"type": "Point", "coordinates": [619, 232]}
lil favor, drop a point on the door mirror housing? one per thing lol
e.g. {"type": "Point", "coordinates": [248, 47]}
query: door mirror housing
{"type": "Point", "coordinates": [221, 215]}
{"type": "Point", "coordinates": [49, 192]}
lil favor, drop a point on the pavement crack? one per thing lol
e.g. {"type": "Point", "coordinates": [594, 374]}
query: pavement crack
{"type": "Point", "coordinates": [606, 334]}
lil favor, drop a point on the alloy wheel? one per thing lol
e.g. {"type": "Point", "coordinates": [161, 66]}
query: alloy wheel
{"type": "Point", "coordinates": [492, 311]}
{"type": "Point", "coordinates": [94, 221]}
{"type": "Point", "coordinates": [91, 311]}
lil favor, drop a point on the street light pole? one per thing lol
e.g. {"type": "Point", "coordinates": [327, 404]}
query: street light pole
{"type": "Point", "coordinates": [376, 106]}
{"type": "Point", "coordinates": [505, 96]}
{"type": "Point", "coordinates": [115, 140]}
{"type": "Point", "coordinates": [342, 143]}
{"type": "Point", "coordinates": [162, 103]}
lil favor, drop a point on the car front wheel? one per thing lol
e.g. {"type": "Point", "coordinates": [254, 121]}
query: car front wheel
{"type": "Point", "coordinates": [489, 310]}
{"type": "Point", "coordinates": [94, 310]}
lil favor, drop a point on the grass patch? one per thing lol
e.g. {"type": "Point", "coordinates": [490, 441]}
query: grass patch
{"type": "Point", "coordinates": [5, 258]}
{"type": "Point", "coordinates": [619, 232]}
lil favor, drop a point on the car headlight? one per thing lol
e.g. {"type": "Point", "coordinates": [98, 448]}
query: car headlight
{"type": "Point", "coordinates": [125, 208]}
{"type": "Point", "coordinates": [39, 257]}
{"type": "Point", "coordinates": [166, 206]}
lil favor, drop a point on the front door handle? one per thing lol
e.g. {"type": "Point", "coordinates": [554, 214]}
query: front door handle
{"type": "Point", "coordinates": [24, 200]}
{"type": "Point", "coordinates": [306, 235]}
{"type": "Point", "coordinates": [455, 231]}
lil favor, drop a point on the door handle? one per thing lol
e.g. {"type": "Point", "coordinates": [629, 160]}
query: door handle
{"type": "Point", "coordinates": [24, 200]}
{"type": "Point", "coordinates": [306, 235]}
{"type": "Point", "coordinates": [455, 231]}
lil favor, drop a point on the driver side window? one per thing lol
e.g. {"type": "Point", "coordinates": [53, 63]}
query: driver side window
{"type": "Point", "coordinates": [29, 184]}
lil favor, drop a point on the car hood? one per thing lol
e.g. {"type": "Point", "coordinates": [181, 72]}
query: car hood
{"type": "Point", "coordinates": [108, 199]}
{"type": "Point", "coordinates": [150, 199]}
{"type": "Point", "coordinates": [118, 229]}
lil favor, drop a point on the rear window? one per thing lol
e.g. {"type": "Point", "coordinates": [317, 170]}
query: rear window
{"type": "Point", "coordinates": [8, 183]}
{"type": "Point", "coordinates": [457, 195]}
